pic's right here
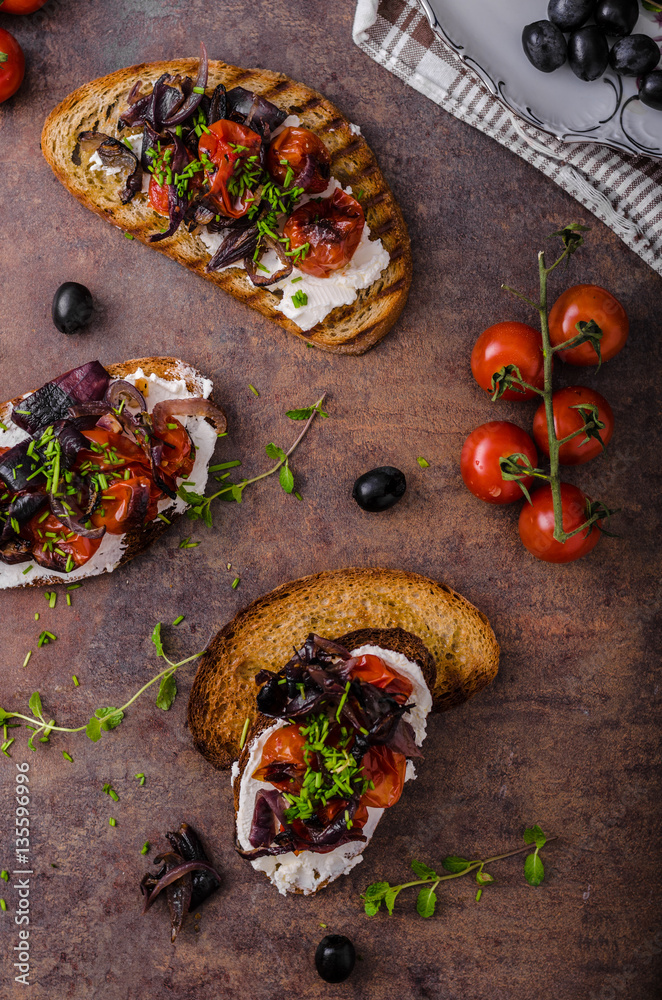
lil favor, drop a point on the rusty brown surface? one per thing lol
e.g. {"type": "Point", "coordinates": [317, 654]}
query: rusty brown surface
{"type": "Point", "coordinates": [567, 735]}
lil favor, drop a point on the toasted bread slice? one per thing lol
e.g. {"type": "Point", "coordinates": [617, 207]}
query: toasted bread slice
{"type": "Point", "coordinates": [133, 542]}
{"type": "Point", "coordinates": [350, 329]}
{"type": "Point", "coordinates": [349, 603]}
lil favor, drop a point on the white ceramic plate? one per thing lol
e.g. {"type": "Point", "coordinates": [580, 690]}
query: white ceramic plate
{"type": "Point", "coordinates": [487, 35]}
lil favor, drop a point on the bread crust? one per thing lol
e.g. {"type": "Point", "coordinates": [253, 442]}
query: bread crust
{"type": "Point", "coordinates": [141, 538]}
{"type": "Point", "coordinates": [352, 603]}
{"type": "Point", "coordinates": [351, 329]}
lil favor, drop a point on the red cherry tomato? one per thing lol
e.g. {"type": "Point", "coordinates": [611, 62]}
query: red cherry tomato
{"type": "Point", "coordinates": [12, 64]}
{"type": "Point", "coordinates": [158, 196]}
{"type": "Point", "coordinates": [293, 149]}
{"type": "Point", "coordinates": [21, 6]}
{"type": "Point", "coordinates": [373, 670]}
{"type": "Point", "coordinates": [567, 420]}
{"type": "Point", "coordinates": [126, 504]}
{"type": "Point", "coordinates": [178, 454]}
{"type": "Point", "coordinates": [113, 452]}
{"type": "Point", "coordinates": [232, 148]}
{"type": "Point", "coordinates": [386, 769]}
{"type": "Point", "coordinates": [52, 547]}
{"type": "Point", "coordinates": [536, 525]}
{"type": "Point", "coordinates": [330, 229]}
{"type": "Point", "coordinates": [479, 462]}
{"type": "Point", "coordinates": [509, 344]}
{"type": "Point", "coordinates": [284, 745]}
{"type": "Point", "coordinates": [583, 303]}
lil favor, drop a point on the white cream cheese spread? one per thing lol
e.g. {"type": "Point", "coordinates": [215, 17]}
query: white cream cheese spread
{"type": "Point", "coordinates": [307, 870]}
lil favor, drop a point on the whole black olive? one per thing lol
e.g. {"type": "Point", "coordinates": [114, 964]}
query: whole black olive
{"type": "Point", "coordinates": [569, 14]}
{"type": "Point", "coordinates": [72, 307]}
{"type": "Point", "coordinates": [617, 17]}
{"type": "Point", "coordinates": [334, 958]}
{"type": "Point", "coordinates": [380, 488]}
{"type": "Point", "coordinates": [634, 55]}
{"type": "Point", "coordinates": [544, 46]}
{"type": "Point", "coordinates": [588, 52]}
{"type": "Point", "coordinates": [650, 92]}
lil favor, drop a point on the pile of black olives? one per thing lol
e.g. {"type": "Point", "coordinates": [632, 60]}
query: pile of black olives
{"type": "Point", "coordinates": [586, 48]}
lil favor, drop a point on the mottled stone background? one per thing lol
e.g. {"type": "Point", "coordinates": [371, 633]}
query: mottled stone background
{"type": "Point", "coordinates": [566, 736]}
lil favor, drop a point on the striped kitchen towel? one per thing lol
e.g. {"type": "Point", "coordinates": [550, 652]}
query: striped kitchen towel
{"type": "Point", "coordinates": [624, 191]}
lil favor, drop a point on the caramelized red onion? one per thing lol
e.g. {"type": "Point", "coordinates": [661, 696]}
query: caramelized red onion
{"type": "Point", "coordinates": [193, 99]}
{"type": "Point", "coordinates": [177, 203]}
{"type": "Point", "coordinates": [72, 517]}
{"type": "Point", "coordinates": [238, 244]}
{"type": "Point", "coordinates": [121, 389]}
{"type": "Point", "coordinates": [52, 401]}
{"type": "Point", "coordinates": [194, 406]}
{"type": "Point", "coordinates": [259, 278]}
{"type": "Point", "coordinates": [114, 153]}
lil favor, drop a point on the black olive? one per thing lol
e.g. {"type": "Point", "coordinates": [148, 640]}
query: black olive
{"type": "Point", "coordinates": [617, 17]}
{"type": "Point", "coordinates": [650, 91]}
{"type": "Point", "coordinates": [634, 55]}
{"type": "Point", "coordinates": [72, 307]}
{"type": "Point", "coordinates": [569, 14]}
{"type": "Point", "coordinates": [588, 52]}
{"type": "Point", "coordinates": [334, 958]}
{"type": "Point", "coordinates": [380, 488]}
{"type": "Point", "coordinates": [544, 46]}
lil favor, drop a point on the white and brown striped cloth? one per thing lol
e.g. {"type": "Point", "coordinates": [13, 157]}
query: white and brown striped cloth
{"type": "Point", "coordinates": [625, 192]}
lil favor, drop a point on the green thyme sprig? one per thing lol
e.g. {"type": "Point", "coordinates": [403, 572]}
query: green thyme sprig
{"type": "Point", "coordinates": [428, 879]}
{"type": "Point", "coordinates": [108, 717]}
{"type": "Point", "coordinates": [200, 505]}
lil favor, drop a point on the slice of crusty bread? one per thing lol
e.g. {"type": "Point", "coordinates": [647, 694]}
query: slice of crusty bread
{"type": "Point", "coordinates": [348, 603]}
{"type": "Point", "coordinates": [140, 538]}
{"type": "Point", "coordinates": [350, 329]}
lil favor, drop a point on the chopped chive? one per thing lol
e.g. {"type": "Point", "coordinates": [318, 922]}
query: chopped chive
{"type": "Point", "coordinates": [186, 543]}
{"type": "Point", "coordinates": [253, 390]}
{"type": "Point", "coordinates": [67, 757]}
{"type": "Point", "coordinates": [75, 680]}
{"type": "Point", "coordinates": [141, 777]}
{"type": "Point", "coordinates": [27, 569]}
{"type": "Point", "coordinates": [224, 465]}
{"type": "Point", "coordinates": [145, 848]}
{"type": "Point", "coordinates": [198, 90]}
{"type": "Point", "coordinates": [3, 905]}
{"type": "Point", "coordinates": [52, 600]}
{"type": "Point", "coordinates": [27, 658]}
{"type": "Point", "coordinates": [244, 733]}
{"type": "Point", "coordinates": [235, 583]}
{"type": "Point", "coordinates": [298, 495]}
{"type": "Point", "coordinates": [129, 236]}
{"type": "Point", "coordinates": [423, 462]}
{"type": "Point", "coordinates": [178, 619]}
{"type": "Point", "coordinates": [294, 280]}
{"type": "Point", "coordinates": [68, 600]}
{"type": "Point", "coordinates": [163, 518]}
{"type": "Point", "coordinates": [112, 821]}
{"type": "Point", "coordinates": [5, 875]}
{"type": "Point", "coordinates": [36, 616]}
{"type": "Point", "coordinates": [479, 894]}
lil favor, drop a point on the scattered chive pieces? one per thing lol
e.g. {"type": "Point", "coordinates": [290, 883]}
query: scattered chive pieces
{"type": "Point", "coordinates": [324, 926]}
{"type": "Point", "coordinates": [36, 616]}
{"type": "Point", "coordinates": [68, 600]}
{"type": "Point", "coordinates": [253, 390]}
{"type": "Point", "coordinates": [27, 658]}
{"type": "Point", "coordinates": [479, 894]}
{"type": "Point", "coordinates": [186, 543]}
{"type": "Point", "coordinates": [244, 733]}
{"type": "Point", "coordinates": [144, 849]}
{"type": "Point", "coordinates": [3, 905]}
{"type": "Point", "coordinates": [423, 462]}
{"type": "Point", "coordinates": [112, 821]}
{"type": "Point", "coordinates": [74, 586]}
{"type": "Point", "coordinates": [109, 790]}
{"type": "Point", "coordinates": [229, 565]}
{"type": "Point", "coordinates": [75, 680]}
{"type": "Point", "coordinates": [224, 465]}
{"type": "Point", "coordinates": [235, 583]}
{"type": "Point", "coordinates": [294, 280]}
{"type": "Point", "coordinates": [128, 236]}
{"type": "Point", "coordinates": [27, 569]}
{"type": "Point", "coordinates": [5, 875]}
{"type": "Point", "coordinates": [298, 495]}
{"type": "Point", "coordinates": [52, 599]}
{"type": "Point", "coordinates": [163, 518]}
{"type": "Point", "coordinates": [178, 619]}
{"type": "Point", "coordinates": [141, 777]}
{"type": "Point", "coordinates": [198, 90]}
{"type": "Point", "coordinates": [299, 299]}
{"type": "Point", "coordinates": [67, 757]}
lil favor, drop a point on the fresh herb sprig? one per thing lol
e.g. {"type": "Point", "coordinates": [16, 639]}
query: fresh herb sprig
{"type": "Point", "coordinates": [428, 879]}
{"type": "Point", "coordinates": [200, 505]}
{"type": "Point", "coordinates": [517, 467]}
{"type": "Point", "coordinates": [108, 717]}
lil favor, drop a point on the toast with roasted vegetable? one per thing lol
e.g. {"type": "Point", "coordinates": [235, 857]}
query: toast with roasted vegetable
{"type": "Point", "coordinates": [326, 738]}
{"type": "Point", "coordinates": [91, 464]}
{"type": "Point", "coordinates": [255, 182]}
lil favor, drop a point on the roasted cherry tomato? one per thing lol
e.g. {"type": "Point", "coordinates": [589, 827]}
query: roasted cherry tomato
{"type": "Point", "coordinates": [52, 547]}
{"type": "Point", "coordinates": [479, 462]}
{"type": "Point", "coordinates": [114, 452]}
{"type": "Point", "coordinates": [504, 344]}
{"type": "Point", "coordinates": [536, 525]}
{"type": "Point", "coordinates": [158, 196]}
{"type": "Point", "coordinates": [178, 455]}
{"type": "Point", "coordinates": [327, 232]}
{"type": "Point", "coordinates": [21, 6]}
{"type": "Point", "coordinates": [126, 504]}
{"type": "Point", "coordinates": [568, 419]}
{"type": "Point", "coordinates": [386, 769]}
{"type": "Point", "coordinates": [582, 303]}
{"type": "Point", "coordinates": [373, 670]}
{"type": "Point", "coordinates": [304, 154]}
{"type": "Point", "coordinates": [284, 745]}
{"type": "Point", "coordinates": [234, 151]}
{"type": "Point", "coordinates": [12, 64]}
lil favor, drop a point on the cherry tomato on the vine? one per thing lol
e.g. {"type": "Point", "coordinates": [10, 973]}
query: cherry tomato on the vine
{"type": "Point", "coordinates": [536, 525]}
{"type": "Point", "coordinates": [479, 463]}
{"type": "Point", "coordinates": [582, 303]}
{"type": "Point", "coordinates": [327, 232]}
{"type": "Point", "coordinates": [21, 6]}
{"type": "Point", "coordinates": [567, 419]}
{"type": "Point", "coordinates": [12, 65]}
{"type": "Point", "coordinates": [504, 344]}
